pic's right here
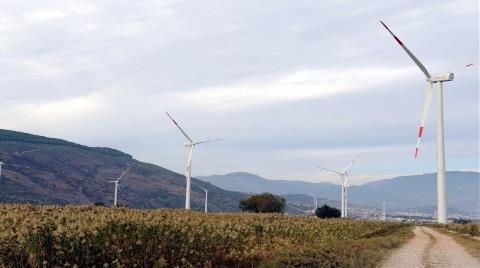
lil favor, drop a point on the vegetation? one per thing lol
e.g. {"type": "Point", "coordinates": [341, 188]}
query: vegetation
{"type": "Point", "coordinates": [462, 221]}
{"type": "Point", "coordinates": [471, 229]}
{"type": "Point", "coordinates": [87, 236]}
{"type": "Point", "coordinates": [470, 243]}
{"type": "Point", "coordinates": [263, 203]}
{"type": "Point", "coordinates": [325, 212]}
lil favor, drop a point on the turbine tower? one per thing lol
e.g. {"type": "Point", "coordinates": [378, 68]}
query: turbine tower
{"type": "Point", "coordinates": [188, 174]}
{"type": "Point", "coordinates": [343, 176]}
{"type": "Point", "coordinates": [315, 202]}
{"type": "Point", "coordinates": [206, 198]}
{"type": "Point", "coordinates": [383, 216]}
{"type": "Point", "coordinates": [116, 186]}
{"type": "Point", "coordinates": [432, 80]}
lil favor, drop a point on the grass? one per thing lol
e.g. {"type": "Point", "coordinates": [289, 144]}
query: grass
{"type": "Point", "coordinates": [87, 236]}
{"type": "Point", "coordinates": [368, 252]}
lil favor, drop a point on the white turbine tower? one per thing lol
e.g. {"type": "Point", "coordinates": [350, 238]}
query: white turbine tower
{"type": "Point", "coordinates": [343, 176]}
{"type": "Point", "coordinates": [116, 186]}
{"type": "Point", "coordinates": [206, 198]}
{"type": "Point", "coordinates": [315, 202]}
{"type": "Point", "coordinates": [190, 145]}
{"type": "Point", "coordinates": [431, 81]}
{"type": "Point", "coordinates": [383, 215]}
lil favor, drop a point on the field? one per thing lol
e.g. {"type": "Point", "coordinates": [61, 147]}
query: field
{"type": "Point", "coordinates": [87, 236]}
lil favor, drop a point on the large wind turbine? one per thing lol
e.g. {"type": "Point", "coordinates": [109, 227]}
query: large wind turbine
{"type": "Point", "coordinates": [431, 81]}
{"type": "Point", "coordinates": [343, 176]}
{"type": "Point", "coordinates": [188, 174]}
{"type": "Point", "coordinates": [116, 186]}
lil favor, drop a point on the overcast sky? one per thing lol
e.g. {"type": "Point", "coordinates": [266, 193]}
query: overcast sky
{"type": "Point", "coordinates": [289, 85]}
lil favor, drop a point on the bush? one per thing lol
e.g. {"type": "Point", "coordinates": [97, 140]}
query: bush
{"type": "Point", "coordinates": [327, 212]}
{"type": "Point", "coordinates": [462, 221]}
{"type": "Point", "coordinates": [263, 203]}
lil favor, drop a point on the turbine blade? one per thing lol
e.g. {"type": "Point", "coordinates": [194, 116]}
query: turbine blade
{"type": "Point", "coordinates": [207, 141]}
{"type": "Point", "coordinates": [181, 130]}
{"type": "Point", "coordinates": [331, 170]}
{"type": "Point", "coordinates": [123, 174]}
{"type": "Point", "coordinates": [349, 165]}
{"type": "Point", "coordinates": [426, 108]}
{"type": "Point", "coordinates": [410, 54]}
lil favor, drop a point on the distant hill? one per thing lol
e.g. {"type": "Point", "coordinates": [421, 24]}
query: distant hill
{"type": "Point", "coordinates": [400, 192]}
{"type": "Point", "coordinates": [45, 170]}
{"type": "Point", "coordinates": [251, 183]}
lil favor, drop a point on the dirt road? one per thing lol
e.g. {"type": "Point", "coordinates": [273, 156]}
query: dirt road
{"type": "Point", "coordinates": [430, 248]}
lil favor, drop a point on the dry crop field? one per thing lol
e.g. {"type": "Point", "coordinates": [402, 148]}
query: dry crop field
{"type": "Point", "coordinates": [90, 236]}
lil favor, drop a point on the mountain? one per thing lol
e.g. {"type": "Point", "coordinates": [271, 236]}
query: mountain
{"type": "Point", "coordinates": [251, 183]}
{"type": "Point", "coordinates": [462, 191]}
{"type": "Point", "coordinates": [400, 192]}
{"type": "Point", "coordinates": [41, 170]}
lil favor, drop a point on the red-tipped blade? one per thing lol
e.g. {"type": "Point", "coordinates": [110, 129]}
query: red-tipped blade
{"type": "Point", "coordinates": [426, 108]}
{"type": "Point", "coordinates": [410, 54]}
{"type": "Point", "coordinates": [179, 128]}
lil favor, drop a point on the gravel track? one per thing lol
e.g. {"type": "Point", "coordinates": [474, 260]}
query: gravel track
{"type": "Point", "coordinates": [429, 248]}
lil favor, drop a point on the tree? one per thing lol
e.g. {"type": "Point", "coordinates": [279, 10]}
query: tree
{"type": "Point", "coordinates": [263, 203]}
{"type": "Point", "coordinates": [326, 211]}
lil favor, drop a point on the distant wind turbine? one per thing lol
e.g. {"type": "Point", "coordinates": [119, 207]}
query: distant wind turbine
{"type": "Point", "coordinates": [116, 186]}
{"type": "Point", "coordinates": [206, 198]}
{"type": "Point", "coordinates": [383, 216]}
{"type": "Point", "coordinates": [188, 174]}
{"type": "Point", "coordinates": [315, 202]}
{"type": "Point", "coordinates": [6, 164]}
{"type": "Point", "coordinates": [431, 81]}
{"type": "Point", "coordinates": [343, 176]}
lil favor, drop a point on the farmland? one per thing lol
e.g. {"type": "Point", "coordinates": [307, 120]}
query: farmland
{"type": "Point", "coordinates": [87, 236]}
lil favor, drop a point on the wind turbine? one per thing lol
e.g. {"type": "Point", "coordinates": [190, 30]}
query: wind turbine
{"type": "Point", "coordinates": [431, 81]}
{"type": "Point", "coordinates": [116, 186]}
{"type": "Point", "coordinates": [343, 176]}
{"type": "Point", "coordinates": [315, 202]}
{"type": "Point", "coordinates": [5, 164]}
{"type": "Point", "coordinates": [383, 215]}
{"type": "Point", "coordinates": [206, 198]}
{"type": "Point", "coordinates": [188, 174]}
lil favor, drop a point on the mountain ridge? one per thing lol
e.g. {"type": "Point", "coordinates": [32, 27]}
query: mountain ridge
{"type": "Point", "coordinates": [43, 170]}
{"type": "Point", "coordinates": [401, 192]}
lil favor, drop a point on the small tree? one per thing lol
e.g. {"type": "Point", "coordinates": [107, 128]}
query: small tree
{"type": "Point", "coordinates": [263, 203]}
{"type": "Point", "coordinates": [326, 211]}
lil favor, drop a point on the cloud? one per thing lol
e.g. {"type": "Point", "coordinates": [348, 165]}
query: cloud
{"type": "Point", "coordinates": [67, 111]}
{"type": "Point", "coordinates": [287, 83]}
{"type": "Point", "coordinates": [299, 85]}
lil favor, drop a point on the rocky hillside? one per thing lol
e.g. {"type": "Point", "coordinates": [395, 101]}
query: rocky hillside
{"type": "Point", "coordinates": [41, 170]}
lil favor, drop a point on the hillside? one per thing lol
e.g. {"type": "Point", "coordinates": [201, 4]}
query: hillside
{"type": "Point", "coordinates": [400, 193]}
{"type": "Point", "coordinates": [41, 170]}
{"type": "Point", "coordinates": [251, 183]}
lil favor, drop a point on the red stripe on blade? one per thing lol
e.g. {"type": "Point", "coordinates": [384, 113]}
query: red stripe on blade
{"type": "Point", "coordinates": [398, 40]}
{"type": "Point", "coordinates": [420, 132]}
{"type": "Point", "coordinates": [416, 152]}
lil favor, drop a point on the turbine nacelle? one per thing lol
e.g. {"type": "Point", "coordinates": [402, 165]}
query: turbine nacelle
{"type": "Point", "coordinates": [441, 77]}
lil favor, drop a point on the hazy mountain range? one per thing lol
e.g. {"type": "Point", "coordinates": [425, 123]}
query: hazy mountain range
{"type": "Point", "coordinates": [41, 170]}
{"type": "Point", "coordinates": [399, 193]}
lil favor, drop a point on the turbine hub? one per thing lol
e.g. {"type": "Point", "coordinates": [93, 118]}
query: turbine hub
{"type": "Point", "coordinates": [441, 77]}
